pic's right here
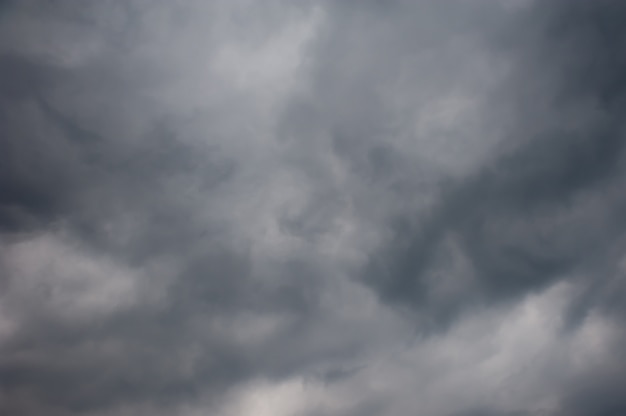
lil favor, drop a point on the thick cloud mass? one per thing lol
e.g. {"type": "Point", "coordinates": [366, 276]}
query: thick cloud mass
{"type": "Point", "coordinates": [312, 208]}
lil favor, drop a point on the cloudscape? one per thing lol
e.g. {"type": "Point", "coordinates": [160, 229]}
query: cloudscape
{"type": "Point", "coordinates": [310, 208]}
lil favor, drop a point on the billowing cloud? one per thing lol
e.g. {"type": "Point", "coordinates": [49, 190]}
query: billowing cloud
{"type": "Point", "coordinates": [315, 208]}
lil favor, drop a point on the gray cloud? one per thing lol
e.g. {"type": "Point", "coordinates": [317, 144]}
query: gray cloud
{"type": "Point", "coordinates": [317, 208]}
{"type": "Point", "coordinates": [548, 206]}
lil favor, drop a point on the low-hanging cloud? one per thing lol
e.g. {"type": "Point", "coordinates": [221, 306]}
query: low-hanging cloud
{"type": "Point", "coordinates": [311, 208]}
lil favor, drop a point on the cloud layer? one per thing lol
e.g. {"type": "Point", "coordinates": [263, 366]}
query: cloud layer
{"type": "Point", "coordinates": [315, 208]}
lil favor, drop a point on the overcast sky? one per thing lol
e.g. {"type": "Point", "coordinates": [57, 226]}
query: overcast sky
{"type": "Point", "coordinates": [312, 207]}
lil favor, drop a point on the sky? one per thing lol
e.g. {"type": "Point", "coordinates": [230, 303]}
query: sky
{"type": "Point", "coordinates": [313, 207]}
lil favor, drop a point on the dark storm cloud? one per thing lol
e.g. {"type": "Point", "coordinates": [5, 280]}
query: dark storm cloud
{"type": "Point", "coordinates": [516, 218]}
{"type": "Point", "coordinates": [79, 185]}
{"type": "Point", "coordinates": [598, 392]}
{"type": "Point", "coordinates": [129, 271]}
{"type": "Point", "coordinates": [545, 207]}
{"type": "Point", "coordinates": [202, 202]}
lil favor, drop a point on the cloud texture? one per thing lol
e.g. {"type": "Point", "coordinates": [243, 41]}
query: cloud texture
{"type": "Point", "coordinates": [312, 208]}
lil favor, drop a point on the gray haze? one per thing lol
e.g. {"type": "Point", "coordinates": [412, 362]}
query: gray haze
{"type": "Point", "coordinates": [278, 208]}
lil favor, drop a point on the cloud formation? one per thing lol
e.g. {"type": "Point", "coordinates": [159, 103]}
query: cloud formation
{"type": "Point", "coordinates": [314, 208]}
